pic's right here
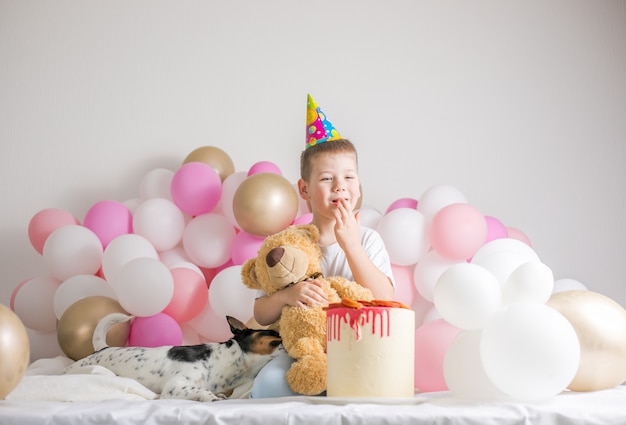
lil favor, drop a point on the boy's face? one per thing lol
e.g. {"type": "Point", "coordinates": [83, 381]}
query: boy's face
{"type": "Point", "coordinates": [334, 178]}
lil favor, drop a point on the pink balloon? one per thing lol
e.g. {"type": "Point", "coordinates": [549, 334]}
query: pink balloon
{"type": "Point", "coordinates": [457, 231]}
{"type": "Point", "coordinates": [210, 326]}
{"type": "Point", "coordinates": [45, 222]}
{"type": "Point", "coordinates": [495, 229]}
{"type": "Point", "coordinates": [402, 203]}
{"type": "Point", "coordinates": [155, 331]}
{"type": "Point", "coordinates": [264, 167]}
{"type": "Point", "coordinates": [209, 273]}
{"type": "Point", "coordinates": [244, 247]}
{"type": "Point", "coordinates": [431, 343]}
{"type": "Point", "coordinates": [196, 188]}
{"type": "Point", "coordinates": [305, 218]}
{"type": "Point", "coordinates": [190, 295]}
{"type": "Point", "coordinates": [108, 220]}
{"type": "Point", "coordinates": [404, 290]}
{"type": "Point", "coordinates": [514, 233]}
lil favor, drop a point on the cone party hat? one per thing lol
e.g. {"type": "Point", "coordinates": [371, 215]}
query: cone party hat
{"type": "Point", "coordinates": [318, 128]}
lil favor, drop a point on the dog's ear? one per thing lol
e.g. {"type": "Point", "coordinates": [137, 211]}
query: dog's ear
{"type": "Point", "coordinates": [236, 326]}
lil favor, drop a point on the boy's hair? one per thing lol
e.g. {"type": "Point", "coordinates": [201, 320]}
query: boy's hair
{"type": "Point", "coordinates": [334, 146]}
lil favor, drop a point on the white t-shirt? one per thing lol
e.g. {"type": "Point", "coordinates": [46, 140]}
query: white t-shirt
{"type": "Point", "coordinates": [335, 263]}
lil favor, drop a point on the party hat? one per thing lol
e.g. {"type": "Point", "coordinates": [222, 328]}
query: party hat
{"type": "Point", "coordinates": [318, 128]}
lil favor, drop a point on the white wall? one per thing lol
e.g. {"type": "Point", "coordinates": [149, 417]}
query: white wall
{"type": "Point", "coordinates": [521, 105]}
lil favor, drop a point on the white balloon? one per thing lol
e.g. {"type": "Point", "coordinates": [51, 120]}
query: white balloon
{"type": "Point", "coordinates": [437, 197]}
{"type": "Point", "coordinates": [467, 296]}
{"type": "Point", "coordinates": [530, 351]}
{"type": "Point", "coordinates": [431, 314]}
{"type": "Point", "coordinates": [132, 204]}
{"type": "Point", "coordinates": [187, 265]}
{"type": "Point", "coordinates": [568, 284]}
{"type": "Point", "coordinates": [532, 282]}
{"type": "Point", "coordinates": [229, 187]}
{"type": "Point", "coordinates": [228, 295]}
{"type": "Point", "coordinates": [403, 231]}
{"type": "Point", "coordinates": [422, 308]}
{"type": "Point", "coordinates": [156, 183]}
{"type": "Point", "coordinates": [160, 221]}
{"type": "Point", "coordinates": [72, 250]}
{"type": "Point", "coordinates": [428, 271]}
{"type": "Point", "coordinates": [463, 368]}
{"type": "Point", "coordinates": [78, 287]}
{"type": "Point", "coordinates": [501, 263]}
{"type": "Point", "coordinates": [174, 255]}
{"type": "Point", "coordinates": [44, 345]}
{"type": "Point", "coordinates": [143, 286]}
{"type": "Point", "coordinates": [369, 216]}
{"type": "Point", "coordinates": [33, 303]}
{"type": "Point", "coordinates": [123, 249]}
{"type": "Point", "coordinates": [506, 245]}
{"type": "Point", "coordinates": [208, 239]}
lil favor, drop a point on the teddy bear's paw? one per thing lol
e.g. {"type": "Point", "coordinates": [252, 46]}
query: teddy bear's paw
{"type": "Point", "coordinates": [307, 376]}
{"type": "Point", "coordinates": [306, 347]}
{"type": "Point", "coordinates": [349, 289]}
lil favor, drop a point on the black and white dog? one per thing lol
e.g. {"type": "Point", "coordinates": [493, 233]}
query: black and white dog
{"type": "Point", "coordinates": [204, 372]}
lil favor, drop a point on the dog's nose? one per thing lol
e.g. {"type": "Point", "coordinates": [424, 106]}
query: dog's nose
{"type": "Point", "coordinates": [274, 256]}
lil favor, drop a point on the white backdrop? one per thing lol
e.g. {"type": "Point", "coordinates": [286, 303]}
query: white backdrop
{"type": "Point", "coordinates": [520, 105]}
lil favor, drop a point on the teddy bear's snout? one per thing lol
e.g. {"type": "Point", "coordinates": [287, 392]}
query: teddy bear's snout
{"type": "Point", "coordinates": [274, 256]}
{"type": "Point", "coordinates": [286, 265]}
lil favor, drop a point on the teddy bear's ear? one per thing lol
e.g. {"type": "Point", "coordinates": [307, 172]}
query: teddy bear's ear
{"type": "Point", "coordinates": [311, 231]}
{"type": "Point", "coordinates": [248, 274]}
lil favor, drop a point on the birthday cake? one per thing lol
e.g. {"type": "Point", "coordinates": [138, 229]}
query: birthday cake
{"type": "Point", "coordinates": [370, 349]}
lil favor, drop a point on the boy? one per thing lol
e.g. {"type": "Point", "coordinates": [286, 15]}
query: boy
{"type": "Point", "coordinates": [329, 182]}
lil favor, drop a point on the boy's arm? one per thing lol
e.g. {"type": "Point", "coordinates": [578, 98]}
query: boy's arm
{"type": "Point", "coordinates": [364, 271]}
{"type": "Point", "coordinates": [367, 274]}
{"type": "Point", "coordinates": [268, 308]}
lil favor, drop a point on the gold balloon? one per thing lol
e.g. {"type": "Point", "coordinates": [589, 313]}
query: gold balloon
{"type": "Point", "coordinates": [77, 323]}
{"type": "Point", "coordinates": [215, 157]}
{"type": "Point", "coordinates": [600, 324]}
{"type": "Point", "coordinates": [264, 204]}
{"type": "Point", "coordinates": [14, 350]}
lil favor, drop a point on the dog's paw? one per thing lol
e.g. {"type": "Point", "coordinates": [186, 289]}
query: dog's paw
{"type": "Point", "coordinates": [206, 395]}
{"type": "Point", "coordinates": [220, 396]}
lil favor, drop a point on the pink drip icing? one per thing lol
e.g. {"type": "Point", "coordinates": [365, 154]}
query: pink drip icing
{"type": "Point", "coordinates": [357, 318]}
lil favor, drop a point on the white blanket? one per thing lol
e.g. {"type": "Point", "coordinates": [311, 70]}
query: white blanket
{"type": "Point", "coordinates": [99, 397]}
{"type": "Point", "coordinates": [44, 380]}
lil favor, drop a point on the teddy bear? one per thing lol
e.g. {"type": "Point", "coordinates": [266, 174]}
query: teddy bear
{"type": "Point", "coordinates": [285, 258]}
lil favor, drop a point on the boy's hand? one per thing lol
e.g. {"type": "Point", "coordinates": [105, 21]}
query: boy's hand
{"type": "Point", "coordinates": [347, 230]}
{"type": "Point", "coordinates": [306, 293]}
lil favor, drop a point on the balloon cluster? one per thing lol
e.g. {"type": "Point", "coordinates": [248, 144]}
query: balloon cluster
{"type": "Point", "coordinates": [486, 322]}
{"type": "Point", "coordinates": [171, 257]}
{"type": "Point", "coordinates": [495, 322]}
